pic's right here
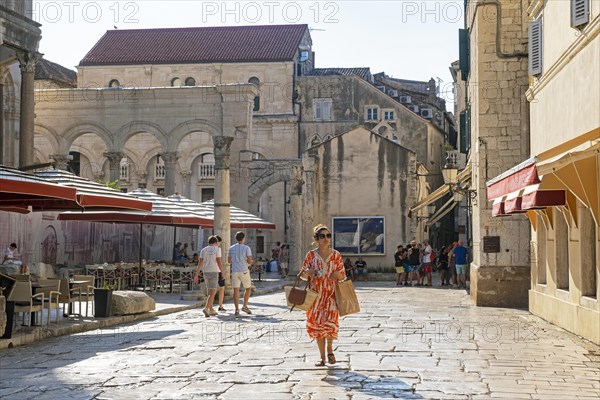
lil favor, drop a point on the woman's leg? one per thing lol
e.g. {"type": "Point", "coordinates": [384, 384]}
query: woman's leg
{"type": "Point", "coordinates": [321, 345]}
{"type": "Point", "coordinates": [221, 296]}
{"type": "Point", "coordinates": [330, 356]}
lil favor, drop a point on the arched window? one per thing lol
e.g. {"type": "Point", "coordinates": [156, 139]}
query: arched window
{"type": "Point", "coordinates": [255, 81]}
{"type": "Point", "coordinates": [114, 83]}
{"type": "Point", "coordinates": [190, 81]}
{"type": "Point", "coordinates": [176, 81]}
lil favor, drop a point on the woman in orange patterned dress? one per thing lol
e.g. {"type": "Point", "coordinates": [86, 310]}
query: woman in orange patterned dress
{"type": "Point", "coordinates": [323, 267]}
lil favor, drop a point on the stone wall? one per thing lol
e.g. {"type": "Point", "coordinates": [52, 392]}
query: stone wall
{"type": "Point", "coordinates": [499, 140]}
{"type": "Point", "coordinates": [2, 314]}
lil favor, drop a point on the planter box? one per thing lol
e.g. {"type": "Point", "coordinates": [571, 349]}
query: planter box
{"type": "Point", "coordinates": [102, 302]}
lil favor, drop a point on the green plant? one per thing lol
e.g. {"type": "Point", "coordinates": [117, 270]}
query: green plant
{"type": "Point", "coordinates": [112, 185]}
{"type": "Point", "coordinates": [109, 286]}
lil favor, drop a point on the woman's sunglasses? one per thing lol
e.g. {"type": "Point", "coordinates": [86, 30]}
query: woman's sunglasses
{"type": "Point", "coordinates": [323, 235]}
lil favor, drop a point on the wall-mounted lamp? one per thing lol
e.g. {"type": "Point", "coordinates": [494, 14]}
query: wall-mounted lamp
{"type": "Point", "coordinates": [450, 173]}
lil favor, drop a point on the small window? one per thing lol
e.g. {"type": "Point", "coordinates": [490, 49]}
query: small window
{"type": "Point", "coordinates": [114, 83]}
{"type": "Point", "coordinates": [372, 114]}
{"type": "Point", "coordinates": [388, 115]}
{"type": "Point", "coordinates": [303, 55]}
{"type": "Point", "coordinates": [255, 81]}
{"type": "Point", "coordinates": [176, 81]}
{"type": "Point", "coordinates": [207, 194]}
{"type": "Point", "coordinates": [322, 109]}
{"type": "Point", "coordinates": [190, 81]}
{"type": "Point", "coordinates": [160, 191]}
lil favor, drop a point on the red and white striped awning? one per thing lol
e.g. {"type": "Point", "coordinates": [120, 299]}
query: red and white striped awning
{"type": "Point", "coordinates": [241, 219]}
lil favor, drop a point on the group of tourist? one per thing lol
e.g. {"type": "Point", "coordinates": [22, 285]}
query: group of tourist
{"type": "Point", "coordinates": [358, 270]}
{"type": "Point", "coordinates": [415, 262]}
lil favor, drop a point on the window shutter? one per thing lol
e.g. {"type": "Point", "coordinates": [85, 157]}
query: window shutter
{"type": "Point", "coordinates": [580, 12]}
{"type": "Point", "coordinates": [464, 53]}
{"type": "Point", "coordinates": [318, 110]}
{"type": "Point", "coordinates": [463, 132]}
{"type": "Point", "coordinates": [327, 111]}
{"type": "Point", "coordinates": [535, 47]}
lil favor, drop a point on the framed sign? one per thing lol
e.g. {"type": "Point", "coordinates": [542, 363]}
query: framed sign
{"type": "Point", "coordinates": [491, 244]}
{"type": "Point", "coordinates": [359, 235]}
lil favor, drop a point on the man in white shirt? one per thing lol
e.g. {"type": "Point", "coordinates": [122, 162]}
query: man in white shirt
{"type": "Point", "coordinates": [240, 257]}
{"type": "Point", "coordinates": [427, 261]}
{"type": "Point", "coordinates": [210, 262]}
{"type": "Point", "coordinates": [9, 255]}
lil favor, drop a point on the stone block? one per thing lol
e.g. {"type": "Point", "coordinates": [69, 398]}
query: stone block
{"type": "Point", "coordinates": [2, 314]}
{"type": "Point", "coordinates": [125, 302]}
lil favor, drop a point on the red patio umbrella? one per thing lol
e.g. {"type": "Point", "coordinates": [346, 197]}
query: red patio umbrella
{"type": "Point", "coordinates": [19, 190]}
{"type": "Point", "coordinates": [94, 195]}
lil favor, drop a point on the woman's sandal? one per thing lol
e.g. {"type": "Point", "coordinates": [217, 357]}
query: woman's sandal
{"type": "Point", "coordinates": [331, 358]}
{"type": "Point", "coordinates": [320, 363]}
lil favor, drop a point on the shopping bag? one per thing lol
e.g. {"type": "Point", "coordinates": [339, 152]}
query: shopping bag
{"type": "Point", "coordinates": [309, 298]}
{"type": "Point", "coordinates": [345, 298]}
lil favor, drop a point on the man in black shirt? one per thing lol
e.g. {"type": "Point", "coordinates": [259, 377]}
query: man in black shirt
{"type": "Point", "coordinates": [360, 269]}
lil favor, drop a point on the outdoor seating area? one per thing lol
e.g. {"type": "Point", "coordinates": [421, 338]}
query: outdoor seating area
{"type": "Point", "coordinates": [39, 302]}
{"type": "Point", "coordinates": [153, 276]}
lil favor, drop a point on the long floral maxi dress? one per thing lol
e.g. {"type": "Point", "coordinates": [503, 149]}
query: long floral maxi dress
{"type": "Point", "coordinates": [322, 318]}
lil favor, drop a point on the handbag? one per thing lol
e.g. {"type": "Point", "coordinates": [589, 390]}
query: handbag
{"type": "Point", "coordinates": [301, 299]}
{"type": "Point", "coordinates": [221, 280]}
{"type": "Point", "coordinates": [345, 298]}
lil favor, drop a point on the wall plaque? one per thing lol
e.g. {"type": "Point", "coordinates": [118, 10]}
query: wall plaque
{"type": "Point", "coordinates": [491, 244]}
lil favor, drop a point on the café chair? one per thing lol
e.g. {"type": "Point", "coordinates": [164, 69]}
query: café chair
{"type": "Point", "coordinates": [86, 291]}
{"type": "Point", "coordinates": [25, 301]}
{"type": "Point", "coordinates": [68, 296]}
{"type": "Point", "coordinates": [22, 277]}
{"type": "Point", "coordinates": [51, 296]}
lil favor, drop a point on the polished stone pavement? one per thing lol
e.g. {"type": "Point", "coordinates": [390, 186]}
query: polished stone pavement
{"type": "Point", "coordinates": [413, 343]}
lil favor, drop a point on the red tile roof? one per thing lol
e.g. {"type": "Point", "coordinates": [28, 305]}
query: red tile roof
{"type": "Point", "coordinates": [196, 45]}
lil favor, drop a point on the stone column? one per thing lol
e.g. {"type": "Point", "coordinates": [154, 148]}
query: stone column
{"type": "Point", "coordinates": [186, 183]}
{"type": "Point", "coordinates": [296, 221]}
{"type": "Point", "coordinates": [3, 73]}
{"type": "Point", "coordinates": [60, 161]}
{"type": "Point", "coordinates": [114, 163]}
{"type": "Point", "coordinates": [27, 61]}
{"type": "Point", "coordinates": [170, 159]}
{"type": "Point", "coordinates": [223, 197]}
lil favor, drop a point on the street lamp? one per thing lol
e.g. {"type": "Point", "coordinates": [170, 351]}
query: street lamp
{"type": "Point", "coordinates": [450, 174]}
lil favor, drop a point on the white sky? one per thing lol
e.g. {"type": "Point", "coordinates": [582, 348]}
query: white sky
{"type": "Point", "coordinates": [406, 39]}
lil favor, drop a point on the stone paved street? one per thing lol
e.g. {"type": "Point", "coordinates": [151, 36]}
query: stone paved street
{"type": "Point", "coordinates": [413, 343]}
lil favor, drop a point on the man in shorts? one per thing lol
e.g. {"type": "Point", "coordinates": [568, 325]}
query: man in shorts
{"type": "Point", "coordinates": [210, 262]}
{"type": "Point", "coordinates": [240, 257]}
{"type": "Point", "coordinates": [461, 254]}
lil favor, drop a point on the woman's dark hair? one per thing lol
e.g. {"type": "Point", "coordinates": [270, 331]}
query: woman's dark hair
{"type": "Point", "coordinates": [219, 238]}
{"type": "Point", "coordinates": [212, 240]}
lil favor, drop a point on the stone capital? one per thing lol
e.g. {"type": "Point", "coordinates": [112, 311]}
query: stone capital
{"type": "Point", "coordinates": [28, 60]}
{"type": "Point", "coordinates": [170, 157]}
{"type": "Point", "coordinates": [60, 161]}
{"type": "Point", "coordinates": [222, 151]}
{"type": "Point", "coordinates": [114, 158]}
{"type": "Point", "coordinates": [186, 174]}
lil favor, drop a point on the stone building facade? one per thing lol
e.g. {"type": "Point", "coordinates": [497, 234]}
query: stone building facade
{"type": "Point", "coordinates": [19, 42]}
{"type": "Point", "coordinates": [557, 188]}
{"type": "Point", "coordinates": [153, 122]}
